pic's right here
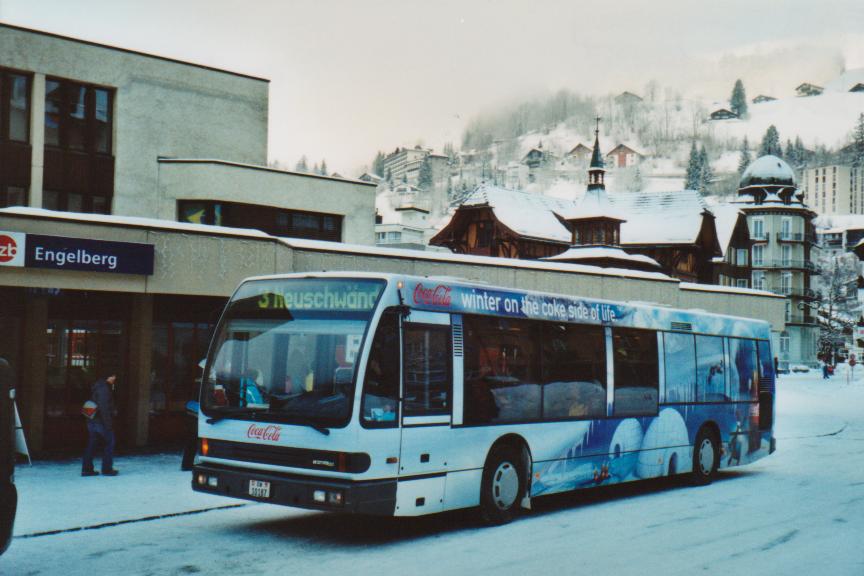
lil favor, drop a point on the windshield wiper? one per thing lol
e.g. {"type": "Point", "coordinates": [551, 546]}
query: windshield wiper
{"type": "Point", "coordinates": [222, 413]}
{"type": "Point", "coordinates": [295, 419]}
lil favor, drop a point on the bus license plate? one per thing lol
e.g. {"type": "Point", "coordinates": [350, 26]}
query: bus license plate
{"type": "Point", "coordinates": [259, 489]}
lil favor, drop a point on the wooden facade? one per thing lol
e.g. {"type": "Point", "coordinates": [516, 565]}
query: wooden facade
{"type": "Point", "coordinates": [475, 230]}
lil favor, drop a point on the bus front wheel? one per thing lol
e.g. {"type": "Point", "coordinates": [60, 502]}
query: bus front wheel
{"type": "Point", "coordinates": [503, 486]}
{"type": "Point", "coordinates": [706, 457]}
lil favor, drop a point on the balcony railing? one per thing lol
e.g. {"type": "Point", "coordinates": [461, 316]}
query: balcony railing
{"type": "Point", "coordinates": [759, 236]}
{"type": "Point", "coordinates": [800, 319]}
{"type": "Point", "coordinates": [805, 293]}
{"type": "Point", "coordinates": [787, 264]}
{"type": "Point", "coordinates": [795, 237]}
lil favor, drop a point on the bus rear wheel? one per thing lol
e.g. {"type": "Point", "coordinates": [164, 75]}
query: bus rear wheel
{"type": "Point", "coordinates": [503, 486]}
{"type": "Point", "coordinates": [706, 457]}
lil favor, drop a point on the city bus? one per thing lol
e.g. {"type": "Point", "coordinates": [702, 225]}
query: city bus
{"type": "Point", "coordinates": [399, 395]}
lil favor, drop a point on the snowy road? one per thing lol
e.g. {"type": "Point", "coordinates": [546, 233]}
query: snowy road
{"type": "Point", "coordinates": [800, 511]}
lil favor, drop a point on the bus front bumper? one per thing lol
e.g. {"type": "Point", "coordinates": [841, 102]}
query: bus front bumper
{"type": "Point", "coordinates": [362, 497]}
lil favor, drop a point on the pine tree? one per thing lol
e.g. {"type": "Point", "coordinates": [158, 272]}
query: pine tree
{"type": "Point", "coordinates": [424, 177]}
{"type": "Point", "coordinates": [389, 176]}
{"type": "Point", "coordinates": [323, 167]}
{"type": "Point", "coordinates": [316, 169]}
{"type": "Point", "coordinates": [858, 143]}
{"type": "Point", "coordinates": [738, 101]}
{"type": "Point", "coordinates": [378, 164]}
{"type": "Point", "coordinates": [789, 153]}
{"type": "Point", "coordinates": [694, 169]}
{"type": "Point", "coordinates": [800, 151]}
{"type": "Point", "coordinates": [302, 164]}
{"type": "Point", "coordinates": [706, 174]}
{"type": "Point", "coordinates": [771, 143]}
{"type": "Point", "coordinates": [745, 160]}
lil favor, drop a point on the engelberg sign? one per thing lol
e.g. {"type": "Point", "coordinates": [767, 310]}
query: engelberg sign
{"type": "Point", "coordinates": [60, 253]}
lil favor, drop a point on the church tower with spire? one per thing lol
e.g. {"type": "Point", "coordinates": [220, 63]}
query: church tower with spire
{"type": "Point", "coordinates": [596, 227]}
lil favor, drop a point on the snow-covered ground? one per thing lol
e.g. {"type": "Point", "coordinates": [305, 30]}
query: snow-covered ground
{"type": "Point", "coordinates": [799, 511]}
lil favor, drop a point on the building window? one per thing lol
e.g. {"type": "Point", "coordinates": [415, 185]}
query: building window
{"type": "Point", "coordinates": [784, 342]}
{"type": "Point", "coordinates": [741, 282]}
{"type": "Point", "coordinates": [758, 252]}
{"type": "Point", "coordinates": [758, 229]}
{"type": "Point", "coordinates": [78, 116]}
{"type": "Point", "coordinates": [759, 279]}
{"type": "Point", "coordinates": [14, 106]}
{"type": "Point", "coordinates": [741, 257]}
{"type": "Point", "coordinates": [786, 253]}
{"type": "Point", "coordinates": [275, 221]}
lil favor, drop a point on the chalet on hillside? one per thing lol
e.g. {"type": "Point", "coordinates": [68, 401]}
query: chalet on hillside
{"type": "Point", "coordinates": [763, 98]}
{"type": "Point", "coordinates": [807, 89]}
{"type": "Point", "coordinates": [674, 228]}
{"type": "Point", "coordinates": [580, 154]}
{"type": "Point", "coordinates": [370, 177]}
{"type": "Point", "coordinates": [623, 156]}
{"type": "Point", "coordinates": [723, 114]}
{"type": "Point", "coordinates": [536, 157]}
{"type": "Point", "coordinates": [627, 98]}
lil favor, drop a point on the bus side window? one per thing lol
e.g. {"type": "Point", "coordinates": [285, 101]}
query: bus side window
{"type": "Point", "coordinates": [501, 370]}
{"type": "Point", "coordinates": [574, 371]}
{"type": "Point", "coordinates": [637, 372]}
{"type": "Point", "coordinates": [381, 384]}
{"type": "Point", "coordinates": [711, 377]}
{"type": "Point", "coordinates": [680, 367]}
{"type": "Point", "coordinates": [744, 369]}
{"type": "Point", "coordinates": [426, 368]}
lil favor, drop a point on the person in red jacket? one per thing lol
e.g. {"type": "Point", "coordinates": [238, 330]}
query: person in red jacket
{"type": "Point", "coordinates": [100, 428]}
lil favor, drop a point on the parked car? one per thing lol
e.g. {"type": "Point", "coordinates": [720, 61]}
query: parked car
{"type": "Point", "coordinates": [800, 369]}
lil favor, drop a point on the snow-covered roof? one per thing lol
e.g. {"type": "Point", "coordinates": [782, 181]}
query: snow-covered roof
{"type": "Point", "coordinates": [651, 217]}
{"type": "Point", "coordinates": [660, 217]}
{"type": "Point", "coordinates": [575, 253]}
{"type": "Point", "coordinates": [527, 214]}
{"type": "Point", "coordinates": [594, 204]}
{"type": "Point", "coordinates": [725, 218]}
{"type": "Point", "coordinates": [470, 259]}
{"type": "Point", "coordinates": [152, 223]}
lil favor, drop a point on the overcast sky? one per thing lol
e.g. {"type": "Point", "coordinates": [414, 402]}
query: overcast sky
{"type": "Point", "coordinates": [350, 77]}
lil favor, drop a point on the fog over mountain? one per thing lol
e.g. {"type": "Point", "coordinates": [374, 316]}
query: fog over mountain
{"type": "Point", "coordinates": [349, 78]}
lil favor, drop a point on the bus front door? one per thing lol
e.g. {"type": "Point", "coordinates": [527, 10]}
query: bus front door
{"type": "Point", "coordinates": [426, 412]}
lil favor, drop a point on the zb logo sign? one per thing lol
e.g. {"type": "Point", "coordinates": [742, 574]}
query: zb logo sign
{"type": "Point", "coordinates": [12, 248]}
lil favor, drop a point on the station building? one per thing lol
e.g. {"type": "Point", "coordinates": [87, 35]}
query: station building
{"type": "Point", "coordinates": [135, 197]}
{"type": "Point", "coordinates": [94, 130]}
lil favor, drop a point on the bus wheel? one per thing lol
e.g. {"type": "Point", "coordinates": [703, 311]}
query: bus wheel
{"type": "Point", "coordinates": [503, 486]}
{"type": "Point", "coordinates": [706, 457]}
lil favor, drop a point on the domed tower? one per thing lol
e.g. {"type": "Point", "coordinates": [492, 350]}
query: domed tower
{"type": "Point", "coordinates": [782, 236]}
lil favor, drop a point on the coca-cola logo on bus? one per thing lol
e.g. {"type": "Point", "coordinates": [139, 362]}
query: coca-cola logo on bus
{"type": "Point", "coordinates": [270, 432]}
{"type": "Point", "coordinates": [437, 296]}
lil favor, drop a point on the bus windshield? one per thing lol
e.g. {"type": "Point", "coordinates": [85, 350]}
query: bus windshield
{"type": "Point", "coordinates": [286, 350]}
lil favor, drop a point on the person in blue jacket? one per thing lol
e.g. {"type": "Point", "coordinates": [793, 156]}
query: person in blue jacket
{"type": "Point", "coordinates": [100, 428]}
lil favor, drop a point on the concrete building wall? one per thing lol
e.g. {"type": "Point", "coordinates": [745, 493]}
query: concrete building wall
{"type": "Point", "coordinates": [834, 189]}
{"type": "Point", "coordinates": [162, 108]}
